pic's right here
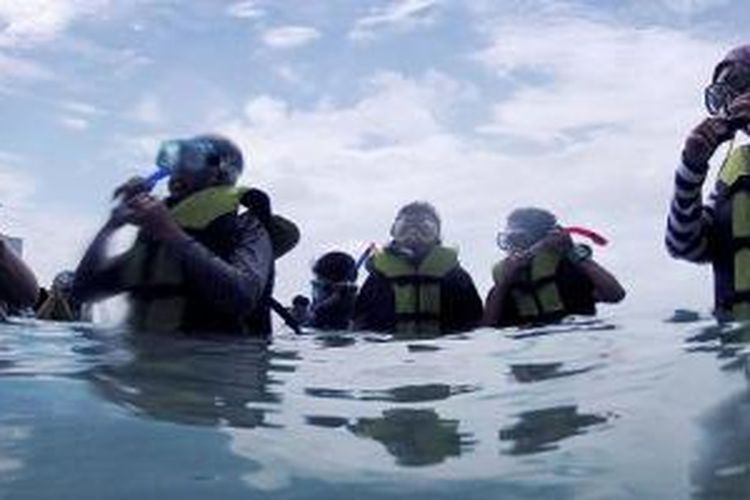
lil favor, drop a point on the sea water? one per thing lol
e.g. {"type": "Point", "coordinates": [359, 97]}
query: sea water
{"type": "Point", "coordinates": [610, 408]}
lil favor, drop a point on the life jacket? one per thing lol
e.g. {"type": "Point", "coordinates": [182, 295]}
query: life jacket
{"type": "Point", "coordinates": [56, 308]}
{"type": "Point", "coordinates": [416, 289]}
{"type": "Point", "coordinates": [159, 297]}
{"type": "Point", "coordinates": [731, 237]}
{"type": "Point", "coordinates": [536, 297]}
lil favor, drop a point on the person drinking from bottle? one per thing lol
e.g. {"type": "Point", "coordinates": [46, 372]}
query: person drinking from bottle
{"type": "Point", "coordinates": [545, 276]}
{"type": "Point", "coordinates": [203, 260]}
{"type": "Point", "coordinates": [718, 231]}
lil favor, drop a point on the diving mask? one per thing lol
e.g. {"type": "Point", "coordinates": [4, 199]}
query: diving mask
{"type": "Point", "coordinates": [192, 155]}
{"type": "Point", "coordinates": [731, 81]}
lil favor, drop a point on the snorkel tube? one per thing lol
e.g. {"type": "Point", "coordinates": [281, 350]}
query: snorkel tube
{"type": "Point", "coordinates": [152, 180]}
{"type": "Point", "coordinates": [592, 235]}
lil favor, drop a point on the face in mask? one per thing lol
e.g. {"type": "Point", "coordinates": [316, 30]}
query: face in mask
{"type": "Point", "coordinates": [417, 230]}
{"type": "Point", "coordinates": [515, 240]}
{"type": "Point", "coordinates": [191, 164]}
{"type": "Point", "coordinates": [732, 81]}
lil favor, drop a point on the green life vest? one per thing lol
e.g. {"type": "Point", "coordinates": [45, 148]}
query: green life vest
{"type": "Point", "coordinates": [155, 278]}
{"type": "Point", "coordinates": [536, 297]}
{"type": "Point", "coordinates": [416, 289]}
{"type": "Point", "coordinates": [733, 189]}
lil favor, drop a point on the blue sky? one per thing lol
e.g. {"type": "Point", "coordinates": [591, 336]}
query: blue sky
{"type": "Point", "coordinates": [348, 109]}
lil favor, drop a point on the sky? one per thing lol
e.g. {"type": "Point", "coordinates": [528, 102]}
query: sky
{"type": "Point", "coordinates": [346, 110]}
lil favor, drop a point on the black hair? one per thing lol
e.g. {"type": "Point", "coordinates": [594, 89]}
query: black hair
{"type": "Point", "coordinates": [537, 221]}
{"type": "Point", "coordinates": [336, 266]}
{"type": "Point", "coordinates": [420, 207]}
{"type": "Point", "coordinates": [224, 154]}
{"type": "Point", "coordinates": [301, 301]}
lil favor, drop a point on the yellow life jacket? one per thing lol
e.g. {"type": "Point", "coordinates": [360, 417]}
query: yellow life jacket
{"type": "Point", "coordinates": [732, 259]}
{"type": "Point", "coordinates": [537, 297]}
{"type": "Point", "coordinates": [55, 308]}
{"type": "Point", "coordinates": [416, 289]}
{"type": "Point", "coordinates": [155, 278]}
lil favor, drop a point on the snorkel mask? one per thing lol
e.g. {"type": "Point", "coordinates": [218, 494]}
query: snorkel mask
{"type": "Point", "coordinates": [731, 79]}
{"type": "Point", "coordinates": [195, 155]}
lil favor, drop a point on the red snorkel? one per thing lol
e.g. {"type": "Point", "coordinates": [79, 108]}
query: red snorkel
{"type": "Point", "coordinates": [595, 237]}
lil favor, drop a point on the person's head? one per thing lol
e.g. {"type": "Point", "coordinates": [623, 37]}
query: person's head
{"type": "Point", "coordinates": [525, 227]}
{"type": "Point", "coordinates": [334, 271]}
{"type": "Point", "coordinates": [417, 226]}
{"type": "Point", "coordinates": [731, 79]}
{"type": "Point", "coordinates": [63, 282]}
{"type": "Point", "coordinates": [199, 162]}
{"type": "Point", "coordinates": [300, 302]}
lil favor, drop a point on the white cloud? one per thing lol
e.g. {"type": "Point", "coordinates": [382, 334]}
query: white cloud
{"type": "Point", "coordinates": [149, 111]}
{"type": "Point", "coordinates": [692, 7]}
{"type": "Point", "coordinates": [81, 108]}
{"type": "Point", "coordinates": [605, 123]}
{"type": "Point", "coordinates": [400, 14]}
{"type": "Point", "coordinates": [290, 37]}
{"type": "Point", "coordinates": [29, 22]}
{"type": "Point", "coordinates": [22, 69]}
{"type": "Point", "coordinates": [245, 10]}
{"type": "Point", "coordinates": [610, 110]}
{"type": "Point", "coordinates": [16, 186]}
{"type": "Point", "coordinates": [74, 123]}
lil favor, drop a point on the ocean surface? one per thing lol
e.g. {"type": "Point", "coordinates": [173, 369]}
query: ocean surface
{"type": "Point", "coordinates": [596, 409]}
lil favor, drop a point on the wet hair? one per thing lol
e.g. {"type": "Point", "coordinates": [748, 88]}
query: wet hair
{"type": "Point", "coordinates": [225, 155]}
{"type": "Point", "coordinates": [420, 207]}
{"type": "Point", "coordinates": [300, 301]}
{"type": "Point", "coordinates": [336, 266]}
{"type": "Point", "coordinates": [537, 221]}
{"type": "Point", "coordinates": [740, 54]}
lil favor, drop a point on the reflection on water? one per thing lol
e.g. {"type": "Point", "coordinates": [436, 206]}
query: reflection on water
{"type": "Point", "coordinates": [414, 437]}
{"type": "Point", "coordinates": [211, 382]}
{"type": "Point", "coordinates": [542, 430]}
{"type": "Point", "coordinates": [560, 412]}
{"type": "Point", "coordinates": [722, 468]}
{"type": "Point", "coordinates": [402, 394]}
{"type": "Point", "coordinates": [536, 372]}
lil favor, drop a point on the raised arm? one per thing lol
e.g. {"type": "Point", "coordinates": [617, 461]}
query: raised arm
{"type": "Point", "coordinates": [690, 221]}
{"type": "Point", "coordinates": [18, 286]}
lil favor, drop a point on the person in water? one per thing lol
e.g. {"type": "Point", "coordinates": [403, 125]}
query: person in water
{"type": "Point", "coordinates": [199, 263]}
{"type": "Point", "coordinates": [545, 276]}
{"type": "Point", "coordinates": [718, 231]}
{"type": "Point", "coordinates": [60, 304]}
{"type": "Point", "coordinates": [334, 290]}
{"type": "Point", "coordinates": [415, 284]}
{"type": "Point", "coordinates": [300, 309]}
{"type": "Point", "coordinates": [18, 285]}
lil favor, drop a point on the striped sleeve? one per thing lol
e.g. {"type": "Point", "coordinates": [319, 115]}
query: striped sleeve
{"type": "Point", "coordinates": [690, 220]}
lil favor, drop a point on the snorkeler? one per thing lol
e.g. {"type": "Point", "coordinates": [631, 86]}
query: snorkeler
{"type": "Point", "coordinates": [18, 286]}
{"type": "Point", "coordinates": [199, 263]}
{"type": "Point", "coordinates": [718, 231]}
{"type": "Point", "coordinates": [416, 285]}
{"type": "Point", "coordinates": [545, 276]}
{"type": "Point", "coordinates": [334, 290]}
{"type": "Point", "coordinates": [60, 304]}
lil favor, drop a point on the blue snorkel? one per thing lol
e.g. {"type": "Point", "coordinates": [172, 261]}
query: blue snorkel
{"type": "Point", "coordinates": [153, 179]}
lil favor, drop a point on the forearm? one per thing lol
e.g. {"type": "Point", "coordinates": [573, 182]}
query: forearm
{"type": "Point", "coordinates": [690, 221]}
{"type": "Point", "coordinates": [87, 284]}
{"type": "Point", "coordinates": [494, 305]}
{"type": "Point", "coordinates": [19, 285]}
{"type": "Point", "coordinates": [606, 287]}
